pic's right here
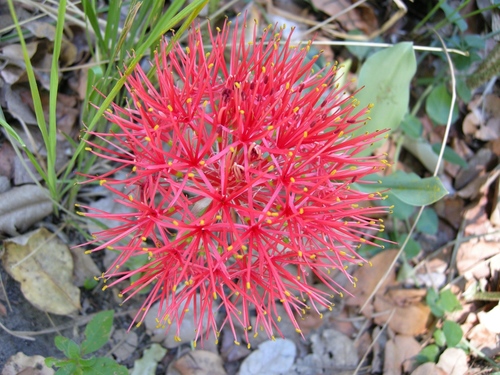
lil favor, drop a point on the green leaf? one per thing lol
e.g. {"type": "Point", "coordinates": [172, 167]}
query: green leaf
{"type": "Point", "coordinates": [432, 299]}
{"type": "Point", "coordinates": [413, 190]}
{"type": "Point", "coordinates": [428, 354]}
{"type": "Point", "coordinates": [68, 347]}
{"type": "Point", "coordinates": [68, 369]}
{"type": "Point", "coordinates": [428, 222]}
{"type": "Point", "coordinates": [97, 332]}
{"type": "Point", "coordinates": [439, 337]}
{"type": "Point", "coordinates": [412, 248]}
{"type": "Point", "coordinates": [463, 91]}
{"type": "Point", "coordinates": [412, 126]}
{"type": "Point", "coordinates": [453, 16]}
{"type": "Point", "coordinates": [450, 155]}
{"type": "Point", "coordinates": [385, 77]}
{"type": "Point", "coordinates": [438, 105]}
{"type": "Point", "coordinates": [449, 302]}
{"type": "Point", "coordinates": [90, 283]}
{"type": "Point", "coordinates": [105, 366]}
{"type": "Point", "coordinates": [453, 333]}
{"type": "Point", "coordinates": [400, 210]}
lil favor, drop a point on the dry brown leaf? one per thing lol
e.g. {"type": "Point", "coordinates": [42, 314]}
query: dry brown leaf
{"type": "Point", "coordinates": [22, 206]}
{"type": "Point", "coordinates": [187, 331]}
{"type": "Point", "coordinates": [428, 369]}
{"type": "Point", "coordinates": [198, 362]}
{"type": "Point", "coordinates": [127, 344]}
{"type": "Point", "coordinates": [483, 339]}
{"type": "Point", "coordinates": [85, 268]}
{"type": "Point", "coordinates": [483, 122]}
{"type": "Point", "coordinates": [44, 267]}
{"type": "Point", "coordinates": [491, 319]}
{"type": "Point", "coordinates": [22, 364]}
{"type": "Point", "coordinates": [471, 256]}
{"type": "Point", "coordinates": [453, 361]}
{"type": "Point", "coordinates": [398, 353]}
{"type": "Point", "coordinates": [410, 314]}
{"type": "Point", "coordinates": [368, 277]}
{"type": "Point", "coordinates": [361, 18]}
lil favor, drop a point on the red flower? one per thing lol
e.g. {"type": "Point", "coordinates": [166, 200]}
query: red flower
{"type": "Point", "coordinates": [240, 162]}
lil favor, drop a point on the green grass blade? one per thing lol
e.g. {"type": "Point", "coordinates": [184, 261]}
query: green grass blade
{"type": "Point", "coordinates": [165, 23]}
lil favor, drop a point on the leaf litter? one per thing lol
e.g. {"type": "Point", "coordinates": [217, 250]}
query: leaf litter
{"type": "Point", "coordinates": [476, 267]}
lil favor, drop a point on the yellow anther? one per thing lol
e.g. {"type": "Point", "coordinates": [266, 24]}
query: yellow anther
{"type": "Point", "coordinates": [248, 285]}
{"type": "Point", "coordinates": [88, 148]}
{"type": "Point", "coordinates": [306, 134]}
{"type": "Point", "coordinates": [301, 211]}
{"type": "Point", "coordinates": [102, 182]}
{"type": "Point", "coordinates": [88, 252]}
{"type": "Point", "coordinates": [230, 247]}
{"type": "Point", "coordinates": [237, 85]}
{"type": "Point", "coordinates": [175, 222]}
{"type": "Point", "coordinates": [270, 127]}
{"type": "Point", "coordinates": [170, 108]}
{"type": "Point", "coordinates": [191, 174]}
{"type": "Point", "coordinates": [292, 179]}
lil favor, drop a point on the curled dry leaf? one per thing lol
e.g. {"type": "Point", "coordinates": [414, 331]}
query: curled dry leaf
{"type": "Point", "coordinates": [20, 363]}
{"type": "Point", "coordinates": [198, 362]}
{"type": "Point", "coordinates": [23, 206]}
{"type": "Point", "coordinates": [410, 313]}
{"type": "Point", "coordinates": [483, 122]}
{"type": "Point", "coordinates": [44, 267]}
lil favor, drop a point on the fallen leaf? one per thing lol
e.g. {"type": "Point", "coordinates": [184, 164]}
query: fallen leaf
{"type": "Point", "coordinates": [453, 361]}
{"type": "Point", "coordinates": [483, 122]}
{"type": "Point", "coordinates": [361, 18]}
{"type": "Point", "coordinates": [197, 362]}
{"type": "Point", "coordinates": [484, 340]}
{"type": "Point", "coordinates": [20, 363]}
{"type": "Point", "coordinates": [410, 314]}
{"type": "Point", "coordinates": [272, 358]}
{"type": "Point", "coordinates": [187, 331]}
{"type": "Point", "coordinates": [127, 344]}
{"type": "Point", "coordinates": [23, 206]}
{"type": "Point", "coordinates": [428, 369]}
{"type": "Point", "coordinates": [149, 362]}
{"type": "Point", "coordinates": [4, 184]}
{"type": "Point", "coordinates": [44, 267]}
{"type": "Point", "coordinates": [398, 353]}
{"type": "Point", "coordinates": [491, 319]}
{"type": "Point", "coordinates": [368, 277]}
{"type": "Point", "coordinates": [471, 256]}
{"type": "Point", "coordinates": [85, 268]}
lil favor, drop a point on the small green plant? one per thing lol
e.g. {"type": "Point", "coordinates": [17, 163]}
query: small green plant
{"type": "Point", "coordinates": [450, 334]}
{"type": "Point", "coordinates": [96, 336]}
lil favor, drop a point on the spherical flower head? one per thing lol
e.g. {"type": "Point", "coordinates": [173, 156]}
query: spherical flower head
{"type": "Point", "coordinates": [240, 161]}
